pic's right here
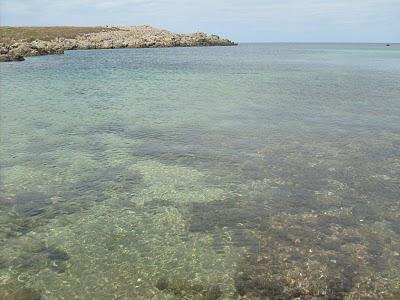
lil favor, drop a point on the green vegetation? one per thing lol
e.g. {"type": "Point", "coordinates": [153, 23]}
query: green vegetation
{"type": "Point", "coordinates": [14, 34]}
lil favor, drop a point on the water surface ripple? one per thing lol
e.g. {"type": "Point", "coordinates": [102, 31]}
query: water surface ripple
{"type": "Point", "coordinates": [263, 171]}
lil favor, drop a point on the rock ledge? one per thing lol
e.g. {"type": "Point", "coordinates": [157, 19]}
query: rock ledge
{"type": "Point", "coordinates": [121, 37]}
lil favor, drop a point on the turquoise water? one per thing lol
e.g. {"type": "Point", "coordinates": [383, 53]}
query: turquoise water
{"type": "Point", "coordinates": [263, 171]}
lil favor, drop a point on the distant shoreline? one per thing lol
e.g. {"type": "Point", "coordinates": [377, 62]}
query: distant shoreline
{"type": "Point", "coordinates": [19, 42]}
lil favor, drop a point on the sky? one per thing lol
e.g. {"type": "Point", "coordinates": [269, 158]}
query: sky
{"type": "Point", "coordinates": [242, 21]}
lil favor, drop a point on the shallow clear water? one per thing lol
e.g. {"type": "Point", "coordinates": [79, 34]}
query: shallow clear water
{"type": "Point", "coordinates": [257, 171]}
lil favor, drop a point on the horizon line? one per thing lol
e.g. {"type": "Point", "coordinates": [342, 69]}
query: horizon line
{"type": "Point", "coordinates": [230, 38]}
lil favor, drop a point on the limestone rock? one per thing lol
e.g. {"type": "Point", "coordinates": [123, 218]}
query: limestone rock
{"type": "Point", "coordinates": [123, 37]}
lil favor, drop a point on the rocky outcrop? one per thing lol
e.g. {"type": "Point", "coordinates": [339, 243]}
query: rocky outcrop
{"type": "Point", "coordinates": [17, 51]}
{"type": "Point", "coordinates": [124, 37]}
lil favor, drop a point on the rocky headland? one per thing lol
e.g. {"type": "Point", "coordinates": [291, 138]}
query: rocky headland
{"type": "Point", "coordinates": [107, 38]}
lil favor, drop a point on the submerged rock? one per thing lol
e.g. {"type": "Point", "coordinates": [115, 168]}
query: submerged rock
{"type": "Point", "coordinates": [258, 286]}
{"type": "Point", "coordinates": [56, 254]}
{"type": "Point", "coordinates": [30, 204]}
{"type": "Point", "coordinates": [25, 294]}
{"type": "Point", "coordinates": [213, 293]}
{"type": "Point", "coordinates": [162, 283]}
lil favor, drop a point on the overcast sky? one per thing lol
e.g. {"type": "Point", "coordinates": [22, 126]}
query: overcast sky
{"type": "Point", "coordinates": [244, 21]}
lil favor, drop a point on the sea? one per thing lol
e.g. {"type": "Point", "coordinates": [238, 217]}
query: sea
{"type": "Point", "coordinates": [262, 171]}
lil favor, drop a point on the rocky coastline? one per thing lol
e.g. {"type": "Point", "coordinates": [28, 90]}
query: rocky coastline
{"type": "Point", "coordinates": [119, 37]}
